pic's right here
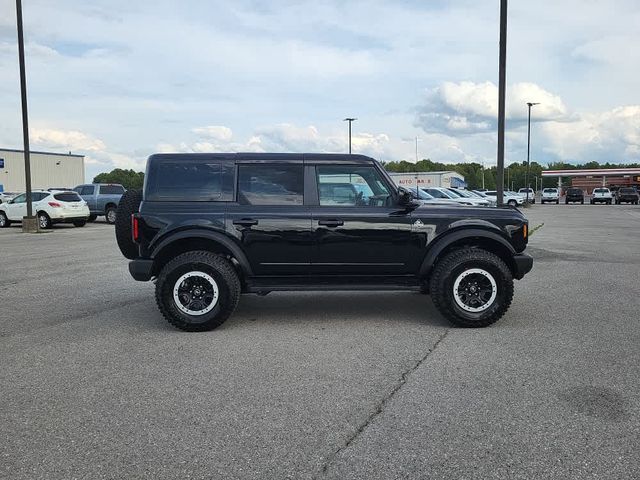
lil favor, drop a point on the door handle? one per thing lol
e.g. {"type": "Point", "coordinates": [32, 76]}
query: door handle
{"type": "Point", "coordinates": [245, 222]}
{"type": "Point", "coordinates": [331, 223]}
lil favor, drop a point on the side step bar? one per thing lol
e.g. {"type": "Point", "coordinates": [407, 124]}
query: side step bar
{"type": "Point", "coordinates": [264, 285]}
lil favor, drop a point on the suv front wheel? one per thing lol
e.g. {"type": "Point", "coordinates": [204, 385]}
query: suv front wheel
{"type": "Point", "coordinates": [197, 291]}
{"type": "Point", "coordinates": [472, 287]}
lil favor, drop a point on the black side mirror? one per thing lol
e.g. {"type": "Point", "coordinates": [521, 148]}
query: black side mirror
{"type": "Point", "coordinates": [404, 197]}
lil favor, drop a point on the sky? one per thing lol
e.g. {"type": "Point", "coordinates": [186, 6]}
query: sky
{"type": "Point", "coordinates": [119, 80]}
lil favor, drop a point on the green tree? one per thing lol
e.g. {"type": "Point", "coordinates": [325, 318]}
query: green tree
{"type": "Point", "coordinates": [130, 179]}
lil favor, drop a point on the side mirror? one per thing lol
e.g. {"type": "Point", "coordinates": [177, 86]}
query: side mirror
{"type": "Point", "coordinates": [404, 197]}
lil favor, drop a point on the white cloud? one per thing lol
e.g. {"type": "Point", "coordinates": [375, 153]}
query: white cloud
{"type": "Point", "coordinates": [215, 132]}
{"type": "Point", "coordinates": [468, 107]}
{"type": "Point", "coordinates": [71, 140]}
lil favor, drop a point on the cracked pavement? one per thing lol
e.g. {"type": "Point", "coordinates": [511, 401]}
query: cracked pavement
{"type": "Point", "coordinates": [365, 385]}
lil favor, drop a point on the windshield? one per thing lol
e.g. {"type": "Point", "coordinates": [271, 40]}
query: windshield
{"type": "Point", "coordinates": [451, 191]}
{"type": "Point", "coordinates": [437, 193]}
{"type": "Point", "coordinates": [462, 193]}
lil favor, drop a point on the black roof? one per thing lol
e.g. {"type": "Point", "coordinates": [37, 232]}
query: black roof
{"type": "Point", "coordinates": [268, 157]}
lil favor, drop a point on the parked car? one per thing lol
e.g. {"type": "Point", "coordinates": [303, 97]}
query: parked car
{"type": "Point", "coordinates": [479, 201]}
{"type": "Point", "coordinates": [6, 196]}
{"type": "Point", "coordinates": [511, 199]}
{"type": "Point", "coordinates": [443, 193]}
{"type": "Point", "coordinates": [424, 198]}
{"type": "Point", "coordinates": [48, 207]}
{"type": "Point", "coordinates": [244, 239]}
{"type": "Point", "coordinates": [481, 194]}
{"type": "Point", "coordinates": [601, 195]}
{"type": "Point", "coordinates": [626, 195]}
{"type": "Point", "coordinates": [102, 198]}
{"type": "Point", "coordinates": [574, 195]}
{"type": "Point", "coordinates": [532, 194]}
{"type": "Point", "coordinates": [550, 195]}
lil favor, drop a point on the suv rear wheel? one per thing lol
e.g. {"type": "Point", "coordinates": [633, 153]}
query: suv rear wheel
{"type": "Point", "coordinates": [197, 291]}
{"type": "Point", "coordinates": [4, 221]}
{"type": "Point", "coordinates": [471, 287]}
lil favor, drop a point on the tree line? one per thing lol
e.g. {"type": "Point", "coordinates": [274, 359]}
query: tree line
{"type": "Point", "coordinates": [514, 174]}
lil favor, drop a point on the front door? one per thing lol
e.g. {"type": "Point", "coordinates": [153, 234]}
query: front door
{"type": "Point", "coordinates": [357, 226]}
{"type": "Point", "coordinates": [270, 218]}
{"type": "Point", "coordinates": [17, 208]}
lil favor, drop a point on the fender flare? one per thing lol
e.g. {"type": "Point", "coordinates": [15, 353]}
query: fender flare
{"type": "Point", "coordinates": [212, 235]}
{"type": "Point", "coordinates": [445, 240]}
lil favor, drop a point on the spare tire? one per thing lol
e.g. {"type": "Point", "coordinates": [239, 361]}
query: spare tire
{"type": "Point", "coordinates": [129, 203]}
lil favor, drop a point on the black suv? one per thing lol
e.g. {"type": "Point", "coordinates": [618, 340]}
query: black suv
{"type": "Point", "coordinates": [209, 227]}
{"type": "Point", "coordinates": [626, 195]}
{"type": "Point", "coordinates": [574, 195]}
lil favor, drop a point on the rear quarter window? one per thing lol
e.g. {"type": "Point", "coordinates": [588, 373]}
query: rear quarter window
{"type": "Point", "coordinates": [186, 180]}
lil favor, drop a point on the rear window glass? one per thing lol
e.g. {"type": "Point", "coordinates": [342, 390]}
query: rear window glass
{"type": "Point", "coordinates": [574, 191]}
{"type": "Point", "coordinates": [111, 189]}
{"type": "Point", "coordinates": [550, 190]}
{"type": "Point", "coordinates": [601, 190]}
{"type": "Point", "coordinates": [186, 181]}
{"type": "Point", "coordinates": [67, 197]}
{"type": "Point", "coordinates": [270, 184]}
{"type": "Point", "coordinates": [627, 190]}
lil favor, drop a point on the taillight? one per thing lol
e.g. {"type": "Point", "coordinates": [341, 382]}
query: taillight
{"type": "Point", "coordinates": [525, 229]}
{"type": "Point", "coordinates": [135, 232]}
{"type": "Point", "coordinates": [55, 205]}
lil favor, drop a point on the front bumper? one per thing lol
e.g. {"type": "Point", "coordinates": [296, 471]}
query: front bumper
{"type": "Point", "coordinates": [140, 269]}
{"type": "Point", "coordinates": [523, 265]}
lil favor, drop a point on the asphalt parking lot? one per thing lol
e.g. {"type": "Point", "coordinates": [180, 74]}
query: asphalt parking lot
{"type": "Point", "coordinates": [94, 383]}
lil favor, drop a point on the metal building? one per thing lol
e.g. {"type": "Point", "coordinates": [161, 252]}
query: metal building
{"type": "Point", "coordinates": [428, 179]}
{"type": "Point", "coordinates": [48, 170]}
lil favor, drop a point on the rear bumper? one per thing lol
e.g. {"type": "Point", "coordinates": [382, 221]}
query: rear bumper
{"type": "Point", "coordinates": [523, 264]}
{"type": "Point", "coordinates": [140, 269]}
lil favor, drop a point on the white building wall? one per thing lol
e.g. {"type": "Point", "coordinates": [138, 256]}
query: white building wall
{"type": "Point", "coordinates": [47, 170]}
{"type": "Point", "coordinates": [424, 179]}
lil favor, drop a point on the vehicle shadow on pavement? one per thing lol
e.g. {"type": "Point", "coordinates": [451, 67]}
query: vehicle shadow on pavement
{"type": "Point", "coordinates": [289, 307]}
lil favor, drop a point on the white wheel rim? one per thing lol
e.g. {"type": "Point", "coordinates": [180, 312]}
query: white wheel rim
{"type": "Point", "coordinates": [43, 221]}
{"type": "Point", "coordinates": [460, 296]}
{"type": "Point", "coordinates": [2, 220]}
{"type": "Point", "coordinates": [187, 297]}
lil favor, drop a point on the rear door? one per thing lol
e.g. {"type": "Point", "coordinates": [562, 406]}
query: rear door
{"type": "Point", "coordinates": [357, 226]}
{"type": "Point", "coordinates": [269, 217]}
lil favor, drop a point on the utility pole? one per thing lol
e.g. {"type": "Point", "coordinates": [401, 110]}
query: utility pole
{"type": "Point", "coordinates": [483, 175]}
{"type": "Point", "coordinates": [526, 175]}
{"type": "Point", "coordinates": [29, 223]}
{"type": "Point", "coordinates": [502, 78]}
{"type": "Point", "coordinates": [350, 120]}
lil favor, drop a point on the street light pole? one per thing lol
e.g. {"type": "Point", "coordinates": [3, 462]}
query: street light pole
{"type": "Point", "coordinates": [29, 224]}
{"type": "Point", "coordinates": [502, 89]}
{"type": "Point", "coordinates": [350, 120]}
{"type": "Point", "coordinates": [526, 175]}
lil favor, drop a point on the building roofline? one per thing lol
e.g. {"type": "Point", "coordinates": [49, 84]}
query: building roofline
{"type": "Point", "coordinates": [13, 150]}
{"type": "Point", "coordinates": [591, 171]}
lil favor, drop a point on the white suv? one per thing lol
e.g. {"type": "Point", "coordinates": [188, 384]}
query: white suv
{"type": "Point", "coordinates": [511, 199]}
{"type": "Point", "coordinates": [532, 194]}
{"type": "Point", "coordinates": [550, 195]}
{"type": "Point", "coordinates": [49, 207]}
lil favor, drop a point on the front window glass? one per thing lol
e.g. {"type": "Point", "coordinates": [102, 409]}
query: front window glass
{"type": "Point", "coordinates": [351, 186]}
{"type": "Point", "coordinates": [20, 198]}
{"type": "Point", "coordinates": [88, 190]}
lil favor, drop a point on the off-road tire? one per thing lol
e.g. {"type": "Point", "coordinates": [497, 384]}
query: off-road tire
{"type": "Point", "coordinates": [80, 223]}
{"type": "Point", "coordinates": [107, 215]}
{"type": "Point", "coordinates": [557, 202]}
{"type": "Point", "coordinates": [4, 221]}
{"type": "Point", "coordinates": [218, 268]}
{"type": "Point", "coordinates": [92, 218]}
{"type": "Point", "coordinates": [44, 221]}
{"type": "Point", "coordinates": [129, 204]}
{"type": "Point", "coordinates": [454, 264]}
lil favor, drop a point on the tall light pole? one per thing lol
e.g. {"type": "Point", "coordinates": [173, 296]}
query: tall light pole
{"type": "Point", "coordinates": [502, 90]}
{"type": "Point", "coordinates": [350, 120]}
{"type": "Point", "coordinates": [29, 224]}
{"type": "Point", "coordinates": [526, 175]}
{"type": "Point", "coordinates": [483, 175]}
{"type": "Point", "coordinates": [417, 195]}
